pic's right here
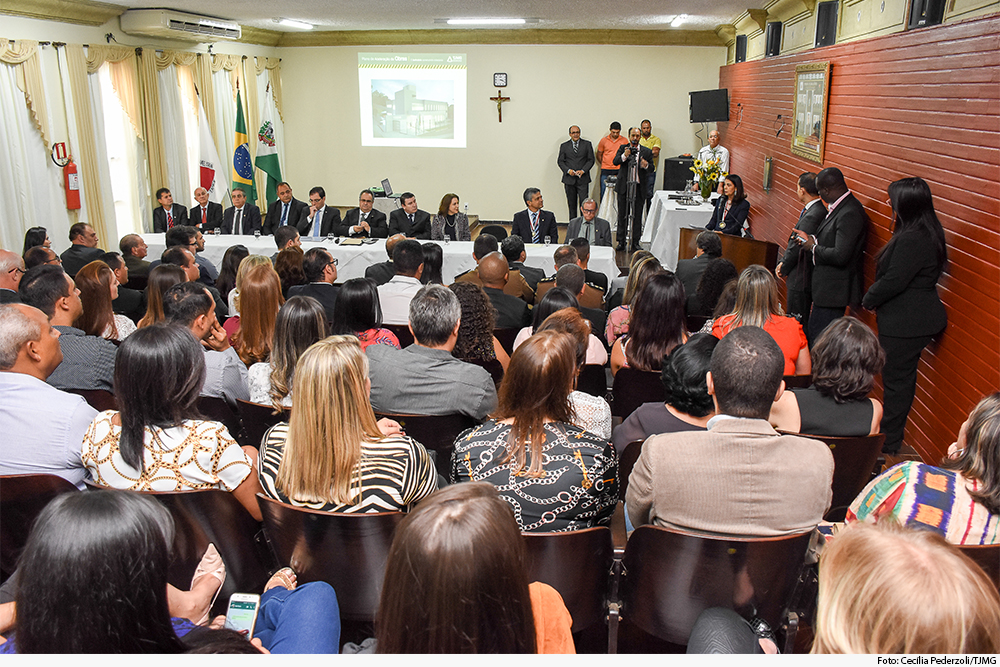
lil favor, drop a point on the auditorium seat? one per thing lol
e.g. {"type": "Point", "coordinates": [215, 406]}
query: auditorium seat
{"type": "Point", "coordinates": [257, 419]}
{"type": "Point", "coordinates": [435, 432]}
{"type": "Point", "coordinates": [632, 388]}
{"type": "Point", "coordinates": [99, 399]}
{"type": "Point", "coordinates": [593, 380]}
{"type": "Point", "coordinates": [987, 557]}
{"type": "Point", "coordinates": [798, 381]}
{"type": "Point", "coordinates": [496, 230]}
{"type": "Point", "coordinates": [626, 461]}
{"type": "Point", "coordinates": [22, 498]}
{"type": "Point", "coordinates": [402, 332]}
{"type": "Point", "coordinates": [506, 336]}
{"type": "Point", "coordinates": [216, 409]}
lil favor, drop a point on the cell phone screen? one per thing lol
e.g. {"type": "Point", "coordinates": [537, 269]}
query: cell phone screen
{"type": "Point", "coordinates": [241, 614]}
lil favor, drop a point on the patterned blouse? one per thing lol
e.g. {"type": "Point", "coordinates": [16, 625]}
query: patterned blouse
{"type": "Point", "coordinates": [396, 472]}
{"type": "Point", "coordinates": [259, 378]}
{"type": "Point", "coordinates": [579, 488]}
{"type": "Point", "coordinates": [617, 324]}
{"type": "Point", "coordinates": [195, 455]}
{"type": "Point", "coordinates": [377, 337]}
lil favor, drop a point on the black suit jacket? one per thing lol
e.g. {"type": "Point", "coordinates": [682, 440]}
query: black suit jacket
{"type": "Point", "coordinates": [381, 273]}
{"type": "Point", "coordinates": [78, 256]}
{"type": "Point", "coordinates": [546, 226]}
{"type": "Point", "coordinates": [251, 220]}
{"type": "Point", "coordinates": [582, 159]}
{"type": "Point", "coordinates": [130, 302]}
{"type": "Point", "coordinates": [621, 185]}
{"type": "Point", "coordinates": [298, 217]}
{"type": "Point", "coordinates": [512, 312]}
{"type": "Point", "coordinates": [213, 218]}
{"type": "Point", "coordinates": [689, 272]}
{"type": "Point", "coordinates": [596, 278]}
{"type": "Point", "coordinates": [796, 265]}
{"type": "Point", "coordinates": [530, 274]}
{"type": "Point", "coordinates": [399, 223]}
{"type": "Point", "coordinates": [731, 223]}
{"type": "Point", "coordinates": [376, 220]}
{"type": "Point", "coordinates": [598, 322]}
{"type": "Point", "coordinates": [329, 224]}
{"type": "Point", "coordinates": [325, 293]}
{"type": "Point", "coordinates": [839, 251]}
{"type": "Point", "coordinates": [9, 296]}
{"type": "Point", "coordinates": [160, 217]}
{"type": "Point", "coordinates": [904, 294]}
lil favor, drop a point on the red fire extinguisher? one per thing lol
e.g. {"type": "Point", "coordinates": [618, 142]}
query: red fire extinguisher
{"type": "Point", "coordinates": [71, 180]}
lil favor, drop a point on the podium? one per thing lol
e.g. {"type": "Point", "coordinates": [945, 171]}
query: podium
{"type": "Point", "coordinates": [738, 250]}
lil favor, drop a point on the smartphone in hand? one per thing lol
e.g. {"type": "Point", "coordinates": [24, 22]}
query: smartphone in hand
{"type": "Point", "coordinates": [242, 612]}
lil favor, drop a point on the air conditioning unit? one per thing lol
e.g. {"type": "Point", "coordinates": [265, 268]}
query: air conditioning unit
{"type": "Point", "coordinates": [178, 25]}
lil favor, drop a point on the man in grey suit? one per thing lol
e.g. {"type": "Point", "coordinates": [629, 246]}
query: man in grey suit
{"type": "Point", "coordinates": [596, 230]}
{"type": "Point", "coordinates": [576, 159]}
{"type": "Point", "coordinates": [796, 265]}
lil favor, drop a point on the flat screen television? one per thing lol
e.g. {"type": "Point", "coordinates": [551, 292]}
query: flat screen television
{"type": "Point", "coordinates": [709, 106]}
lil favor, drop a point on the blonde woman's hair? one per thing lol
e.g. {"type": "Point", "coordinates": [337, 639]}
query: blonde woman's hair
{"type": "Point", "coordinates": [640, 271]}
{"type": "Point", "coordinates": [887, 589]}
{"type": "Point", "coordinates": [756, 297]}
{"type": "Point", "coordinates": [331, 418]}
{"type": "Point", "coordinates": [247, 263]}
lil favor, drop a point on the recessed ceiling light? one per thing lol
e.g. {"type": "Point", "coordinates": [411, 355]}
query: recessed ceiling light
{"type": "Point", "coordinates": [289, 23]}
{"type": "Point", "coordinates": [486, 21]}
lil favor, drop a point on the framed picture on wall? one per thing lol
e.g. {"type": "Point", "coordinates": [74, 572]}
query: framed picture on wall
{"type": "Point", "coordinates": [812, 88]}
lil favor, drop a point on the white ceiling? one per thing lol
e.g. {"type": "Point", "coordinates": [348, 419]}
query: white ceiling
{"type": "Point", "coordinates": [420, 14]}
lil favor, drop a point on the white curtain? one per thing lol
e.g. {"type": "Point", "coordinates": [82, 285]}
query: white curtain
{"type": "Point", "coordinates": [279, 127]}
{"type": "Point", "coordinates": [99, 131]}
{"type": "Point", "coordinates": [174, 137]}
{"type": "Point", "coordinates": [31, 192]}
{"type": "Point", "coordinates": [225, 120]}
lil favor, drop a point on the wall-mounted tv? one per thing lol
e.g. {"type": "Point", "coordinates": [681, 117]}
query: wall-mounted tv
{"type": "Point", "coordinates": [709, 106]}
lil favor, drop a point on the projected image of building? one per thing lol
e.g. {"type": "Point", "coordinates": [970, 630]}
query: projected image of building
{"type": "Point", "coordinates": [406, 115]}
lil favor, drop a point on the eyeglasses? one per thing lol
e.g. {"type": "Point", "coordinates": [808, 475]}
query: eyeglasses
{"type": "Point", "coordinates": [17, 269]}
{"type": "Point", "coordinates": [333, 262]}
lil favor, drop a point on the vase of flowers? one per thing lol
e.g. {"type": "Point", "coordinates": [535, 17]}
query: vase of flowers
{"type": "Point", "coordinates": [708, 173]}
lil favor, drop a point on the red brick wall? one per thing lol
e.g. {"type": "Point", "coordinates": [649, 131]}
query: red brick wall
{"type": "Point", "coordinates": [921, 103]}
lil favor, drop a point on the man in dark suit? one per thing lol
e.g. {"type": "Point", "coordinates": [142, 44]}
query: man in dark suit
{"type": "Point", "coordinates": [582, 247]}
{"type": "Point", "coordinates": [596, 230]}
{"type": "Point", "coordinates": [689, 271]}
{"type": "Point", "coordinates": [364, 221]}
{"type": "Point", "coordinates": [241, 217]}
{"type": "Point", "coordinates": [571, 277]}
{"type": "Point", "coordinates": [635, 160]}
{"type": "Point", "coordinates": [320, 220]}
{"type": "Point", "coordinates": [410, 221]}
{"type": "Point", "coordinates": [797, 265]}
{"type": "Point", "coordinates": [383, 272]}
{"type": "Point", "coordinates": [207, 215]}
{"type": "Point", "coordinates": [533, 224]}
{"type": "Point", "coordinates": [512, 312]}
{"type": "Point", "coordinates": [838, 249]}
{"type": "Point", "coordinates": [134, 251]}
{"type": "Point", "coordinates": [130, 302]}
{"type": "Point", "coordinates": [169, 213]}
{"type": "Point", "coordinates": [287, 210]}
{"type": "Point", "coordinates": [576, 159]}
{"type": "Point", "coordinates": [321, 272]}
{"type": "Point", "coordinates": [11, 270]}
{"type": "Point", "coordinates": [83, 250]}
{"type": "Point", "coordinates": [512, 248]}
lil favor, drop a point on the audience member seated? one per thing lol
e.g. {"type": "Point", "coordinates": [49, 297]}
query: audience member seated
{"type": "Point", "coordinates": [286, 238]}
{"type": "Point", "coordinates": [227, 272]}
{"type": "Point", "coordinates": [156, 442]}
{"type": "Point", "coordinates": [288, 266]}
{"type": "Point", "coordinates": [252, 333]}
{"type": "Point", "coordinates": [846, 358]}
{"type": "Point", "coordinates": [719, 273]}
{"type": "Point", "coordinates": [618, 318]}
{"type": "Point", "coordinates": [36, 257]}
{"type": "Point", "coordinates": [130, 302]}
{"type": "Point", "coordinates": [757, 305]}
{"type": "Point", "coordinates": [424, 378]}
{"type": "Point", "coordinates": [572, 278]}
{"type": "Point", "coordinates": [320, 269]}
{"type": "Point", "coordinates": [359, 313]}
{"type": "Point", "coordinates": [191, 239]}
{"type": "Point", "coordinates": [688, 407]}
{"type": "Point", "coordinates": [731, 209]}
{"type": "Point", "coordinates": [449, 224]}
{"type": "Point", "coordinates": [246, 264]}
{"type": "Point", "coordinates": [739, 478]}
{"type": "Point", "coordinates": [582, 247]}
{"type": "Point", "coordinates": [592, 297]}
{"type": "Point", "coordinates": [134, 252]}
{"type": "Point", "coordinates": [88, 361]}
{"type": "Point", "coordinates": [109, 552]}
{"type": "Point", "coordinates": [98, 289]}
{"type": "Point", "coordinates": [433, 261]}
{"type": "Point", "coordinates": [395, 295]}
{"type": "Point", "coordinates": [690, 271]}
{"type": "Point", "coordinates": [184, 258]}
{"type": "Point", "coordinates": [554, 300]}
{"type": "Point", "coordinates": [617, 286]}
{"type": "Point", "coordinates": [42, 426]}
{"type": "Point", "coordinates": [189, 305]}
{"type": "Point", "coordinates": [383, 272]}
{"type": "Point", "coordinates": [724, 306]}
{"type": "Point", "coordinates": [11, 270]}
{"type": "Point", "coordinates": [890, 590]}
{"type": "Point", "coordinates": [83, 249]}
{"type": "Point", "coordinates": [476, 343]}
{"type": "Point", "coordinates": [161, 279]}
{"type": "Point", "coordinates": [656, 325]}
{"type": "Point", "coordinates": [516, 286]}
{"type": "Point", "coordinates": [511, 312]}
{"type": "Point", "coordinates": [34, 237]}
{"type": "Point", "coordinates": [332, 455]}
{"type": "Point", "coordinates": [591, 413]}
{"type": "Point", "coordinates": [301, 322]}
{"type": "Point", "coordinates": [457, 582]}
{"type": "Point", "coordinates": [513, 250]}
{"type": "Point", "coordinates": [555, 475]}
{"type": "Point", "coordinates": [959, 499]}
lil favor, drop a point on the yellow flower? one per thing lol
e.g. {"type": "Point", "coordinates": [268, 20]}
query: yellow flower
{"type": "Point", "coordinates": [698, 164]}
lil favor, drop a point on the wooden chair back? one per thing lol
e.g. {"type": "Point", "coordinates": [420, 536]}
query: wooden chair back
{"type": "Point", "coordinates": [798, 381]}
{"type": "Point", "coordinates": [99, 399]}
{"type": "Point", "coordinates": [578, 565]}
{"type": "Point", "coordinates": [505, 337]}
{"type": "Point", "coordinates": [670, 577]}
{"type": "Point", "coordinates": [402, 332]}
{"type": "Point", "coordinates": [257, 419]}
{"type": "Point", "coordinates": [216, 409]}
{"type": "Point", "coordinates": [22, 499]}
{"type": "Point", "coordinates": [347, 551]}
{"type": "Point", "coordinates": [986, 556]}
{"type": "Point", "coordinates": [626, 461]}
{"type": "Point", "coordinates": [593, 380]}
{"type": "Point", "coordinates": [854, 461]}
{"type": "Point", "coordinates": [632, 388]}
{"type": "Point", "coordinates": [435, 432]}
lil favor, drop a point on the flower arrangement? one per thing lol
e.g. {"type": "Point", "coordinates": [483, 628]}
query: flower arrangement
{"type": "Point", "coordinates": [708, 173]}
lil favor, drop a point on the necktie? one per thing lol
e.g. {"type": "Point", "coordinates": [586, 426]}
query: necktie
{"type": "Point", "coordinates": [284, 215]}
{"type": "Point", "coordinates": [316, 222]}
{"type": "Point", "coordinates": [575, 146]}
{"type": "Point", "coordinates": [534, 227]}
{"type": "Point", "coordinates": [170, 219]}
{"type": "Point", "coordinates": [588, 232]}
{"type": "Point", "coordinates": [411, 219]}
{"type": "Point", "coordinates": [204, 215]}
{"type": "Point", "coordinates": [804, 209]}
{"type": "Point", "coordinates": [239, 221]}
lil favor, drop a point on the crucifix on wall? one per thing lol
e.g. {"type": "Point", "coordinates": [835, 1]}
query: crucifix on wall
{"type": "Point", "coordinates": [500, 81]}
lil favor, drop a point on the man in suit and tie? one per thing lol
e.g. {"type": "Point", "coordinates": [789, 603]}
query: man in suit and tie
{"type": "Point", "coordinates": [321, 220]}
{"type": "Point", "coordinates": [796, 265]}
{"type": "Point", "coordinates": [689, 271]}
{"type": "Point", "coordinates": [634, 163]}
{"type": "Point", "coordinates": [321, 271]}
{"type": "Point", "coordinates": [169, 213]}
{"type": "Point", "coordinates": [410, 221]}
{"type": "Point", "coordinates": [241, 218]}
{"type": "Point", "coordinates": [576, 159]}
{"type": "Point", "coordinates": [596, 230]}
{"type": "Point", "coordinates": [207, 215]}
{"type": "Point", "coordinates": [287, 210]}
{"type": "Point", "coordinates": [83, 249]}
{"type": "Point", "coordinates": [838, 249]}
{"type": "Point", "coordinates": [533, 224]}
{"type": "Point", "coordinates": [364, 221]}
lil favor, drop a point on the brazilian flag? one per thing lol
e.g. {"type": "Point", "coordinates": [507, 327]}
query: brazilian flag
{"type": "Point", "coordinates": [242, 164]}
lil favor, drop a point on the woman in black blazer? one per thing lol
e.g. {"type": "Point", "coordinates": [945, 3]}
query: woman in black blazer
{"type": "Point", "coordinates": [905, 299]}
{"type": "Point", "coordinates": [731, 209]}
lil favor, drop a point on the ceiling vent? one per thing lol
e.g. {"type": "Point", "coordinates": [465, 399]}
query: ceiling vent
{"type": "Point", "coordinates": [178, 25]}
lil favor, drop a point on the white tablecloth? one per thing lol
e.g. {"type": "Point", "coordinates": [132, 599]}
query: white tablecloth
{"type": "Point", "coordinates": [663, 224]}
{"type": "Point", "coordinates": [353, 260]}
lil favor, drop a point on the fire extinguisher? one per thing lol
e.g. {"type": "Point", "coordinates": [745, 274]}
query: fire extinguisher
{"type": "Point", "coordinates": [71, 178]}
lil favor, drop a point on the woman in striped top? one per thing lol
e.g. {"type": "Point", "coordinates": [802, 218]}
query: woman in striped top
{"type": "Point", "coordinates": [333, 455]}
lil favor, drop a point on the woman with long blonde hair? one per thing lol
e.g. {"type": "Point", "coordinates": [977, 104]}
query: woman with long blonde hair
{"type": "Point", "coordinates": [246, 264]}
{"type": "Point", "coordinates": [333, 455]}
{"type": "Point", "coordinates": [259, 302]}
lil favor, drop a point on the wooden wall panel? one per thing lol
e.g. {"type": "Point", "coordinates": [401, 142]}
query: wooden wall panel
{"type": "Point", "coordinates": [920, 103]}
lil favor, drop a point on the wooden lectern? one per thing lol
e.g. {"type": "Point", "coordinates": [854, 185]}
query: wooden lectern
{"type": "Point", "coordinates": [740, 251]}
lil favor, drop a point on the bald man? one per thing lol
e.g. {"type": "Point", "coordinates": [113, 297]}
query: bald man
{"type": "Point", "coordinates": [207, 215]}
{"type": "Point", "coordinates": [11, 270]}
{"type": "Point", "coordinates": [512, 312]}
